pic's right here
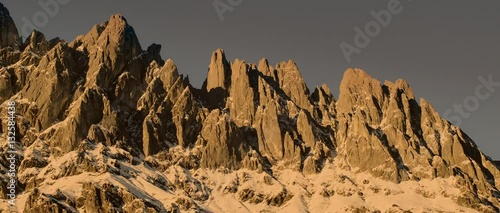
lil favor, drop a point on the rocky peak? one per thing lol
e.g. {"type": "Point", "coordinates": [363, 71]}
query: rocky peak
{"type": "Point", "coordinates": [169, 74]}
{"type": "Point", "coordinates": [356, 86]}
{"type": "Point", "coordinates": [291, 82]}
{"type": "Point", "coordinates": [37, 43]}
{"type": "Point", "coordinates": [9, 37]}
{"type": "Point", "coordinates": [241, 104]}
{"type": "Point", "coordinates": [216, 86]}
{"type": "Point", "coordinates": [324, 103]}
{"type": "Point", "coordinates": [219, 72]}
{"type": "Point", "coordinates": [400, 87]}
{"type": "Point", "coordinates": [119, 36]}
{"type": "Point", "coordinates": [322, 95]}
{"type": "Point", "coordinates": [112, 46]}
{"type": "Point", "coordinates": [362, 94]}
{"type": "Point", "coordinates": [153, 54]}
{"type": "Point", "coordinates": [264, 67]}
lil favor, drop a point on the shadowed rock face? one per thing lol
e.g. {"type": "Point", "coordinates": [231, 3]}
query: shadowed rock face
{"type": "Point", "coordinates": [9, 36]}
{"type": "Point", "coordinates": [10, 42]}
{"type": "Point", "coordinates": [108, 117]}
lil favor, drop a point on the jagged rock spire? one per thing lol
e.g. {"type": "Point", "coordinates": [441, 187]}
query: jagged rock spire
{"type": "Point", "coordinates": [37, 43]}
{"type": "Point", "coordinates": [219, 72]}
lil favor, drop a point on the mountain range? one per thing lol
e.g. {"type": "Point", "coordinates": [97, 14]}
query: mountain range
{"type": "Point", "coordinates": [103, 125]}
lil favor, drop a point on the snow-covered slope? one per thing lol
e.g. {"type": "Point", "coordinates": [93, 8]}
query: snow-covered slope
{"type": "Point", "coordinates": [331, 190]}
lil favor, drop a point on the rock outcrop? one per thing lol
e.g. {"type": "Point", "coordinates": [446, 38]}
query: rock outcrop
{"type": "Point", "coordinates": [105, 126]}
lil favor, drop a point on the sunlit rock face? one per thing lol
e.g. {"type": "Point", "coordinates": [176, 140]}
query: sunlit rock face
{"type": "Point", "coordinates": [106, 126]}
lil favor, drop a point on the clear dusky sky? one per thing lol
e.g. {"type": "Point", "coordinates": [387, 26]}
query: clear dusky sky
{"type": "Point", "coordinates": [440, 47]}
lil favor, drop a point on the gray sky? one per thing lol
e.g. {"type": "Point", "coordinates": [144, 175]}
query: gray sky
{"type": "Point", "coordinates": [439, 47]}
